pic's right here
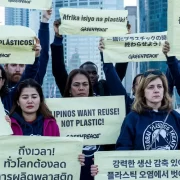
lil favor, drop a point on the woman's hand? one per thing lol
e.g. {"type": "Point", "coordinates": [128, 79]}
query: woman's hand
{"type": "Point", "coordinates": [81, 159]}
{"type": "Point", "coordinates": [94, 170]}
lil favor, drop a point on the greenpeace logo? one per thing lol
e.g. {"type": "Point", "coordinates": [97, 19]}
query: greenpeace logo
{"type": "Point", "coordinates": [4, 55]}
{"type": "Point", "coordinates": [94, 29]}
{"type": "Point", "coordinates": [20, 1]}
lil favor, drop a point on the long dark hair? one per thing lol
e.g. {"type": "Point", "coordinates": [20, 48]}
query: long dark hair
{"type": "Point", "coordinates": [4, 90]}
{"type": "Point", "coordinates": [70, 78]}
{"type": "Point", "coordinates": [43, 109]}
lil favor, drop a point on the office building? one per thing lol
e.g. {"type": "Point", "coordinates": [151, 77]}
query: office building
{"type": "Point", "coordinates": [17, 16]}
{"type": "Point", "coordinates": [153, 18]}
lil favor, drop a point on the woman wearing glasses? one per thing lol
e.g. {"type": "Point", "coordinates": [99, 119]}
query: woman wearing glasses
{"type": "Point", "coordinates": [152, 124]}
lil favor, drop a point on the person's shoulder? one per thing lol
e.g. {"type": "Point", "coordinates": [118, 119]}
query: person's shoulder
{"type": "Point", "coordinates": [176, 113]}
{"type": "Point", "coordinates": [132, 116]}
{"type": "Point", "coordinates": [50, 120]}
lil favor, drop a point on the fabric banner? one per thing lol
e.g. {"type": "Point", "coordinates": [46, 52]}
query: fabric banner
{"type": "Point", "coordinates": [93, 22]}
{"type": "Point", "coordinates": [28, 157]}
{"type": "Point", "coordinates": [16, 44]}
{"type": "Point", "coordinates": [5, 128]}
{"type": "Point", "coordinates": [174, 27]}
{"type": "Point", "coordinates": [96, 119]}
{"type": "Point", "coordinates": [144, 165]}
{"type": "Point", "coordinates": [135, 48]}
{"type": "Point", "coordinates": [28, 4]}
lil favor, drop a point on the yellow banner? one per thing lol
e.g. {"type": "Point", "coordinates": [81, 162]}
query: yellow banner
{"type": "Point", "coordinates": [5, 128]}
{"type": "Point", "coordinates": [135, 47]}
{"type": "Point", "coordinates": [174, 27]}
{"type": "Point", "coordinates": [16, 44]}
{"type": "Point", "coordinates": [28, 157]}
{"type": "Point", "coordinates": [96, 119]}
{"type": "Point", "coordinates": [28, 4]}
{"type": "Point", "coordinates": [93, 22]}
{"type": "Point", "coordinates": [144, 165]}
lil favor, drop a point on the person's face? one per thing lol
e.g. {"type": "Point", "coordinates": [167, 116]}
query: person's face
{"type": "Point", "coordinates": [29, 100]}
{"type": "Point", "coordinates": [154, 93]}
{"type": "Point", "coordinates": [1, 80]}
{"type": "Point", "coordinates": [136, 84]}
{"type": "Point", "coordinates": [92, 71]}
{"type": "Point", "coordinates": [79, 86]}
{"type": "Point", "coordinates": [14, 71]}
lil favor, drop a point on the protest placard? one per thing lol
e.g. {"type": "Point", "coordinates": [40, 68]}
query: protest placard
{"type": "Point", "coordinates": [135, 47]}
{"type": "Point", "coordinates": [97, 119]}
{"type": "Point", "coordinates": [16, 44]}
{"type": "Point", "coordinates": [174, 27]}
{"type": "Point", "coordinates": [93, 22]}
{"type": "Point", "coordinates": [5, 128]}
{"type": "Point", "coordinates": [28, 157]}
{"type": "Point", "coordinates": [28, 4]}
{"type": "Point", "coordinates": [144, 165]}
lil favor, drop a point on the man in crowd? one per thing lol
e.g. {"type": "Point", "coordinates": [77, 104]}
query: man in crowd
{"type": "Point", "coordinates": [15, 71]}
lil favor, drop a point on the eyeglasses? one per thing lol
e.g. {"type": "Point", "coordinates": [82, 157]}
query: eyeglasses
{"type": "Point", "coordinates": [154, 72]}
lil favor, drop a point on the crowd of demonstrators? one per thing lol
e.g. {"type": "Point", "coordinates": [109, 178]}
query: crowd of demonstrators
{"type": "Point", "coordinates": [21, 94]}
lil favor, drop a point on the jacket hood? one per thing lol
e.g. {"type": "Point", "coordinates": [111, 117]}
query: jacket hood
{"type": "Point", "coordinates": [33, 128]}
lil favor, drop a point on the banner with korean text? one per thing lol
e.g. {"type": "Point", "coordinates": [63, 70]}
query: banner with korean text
{"type": "Point", "coordinates": [16, 44]}
{"type": "Point", "coordinates": [155, 164]}
{"type": "Point", "coordinates": [96, 119]}
{"type": "Point", "coordinates": [36, 157]}
{"type": "Point", "coordinates": [93, 22]}
{"type": "Point", "coordinates": [135, 48]}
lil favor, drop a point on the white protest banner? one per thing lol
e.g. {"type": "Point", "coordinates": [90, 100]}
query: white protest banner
{"type": "Point", "coordinates": [93, 22]}
{"type": "Point", "coordinates": [16, 44]}
{"type": "Point", "coordinates": [97, 119]}
{"type": "Point", "coordinates": [135, 47]}
{"type": "Point", "coordinates": [28, 157]}
{"type": "Point", "coordinates": [174, 27]}
{"type": "Point", "coordinates": [28, 4]}
{"type": "Point", "coordinates": [5, 128]}
{"type": "Point", "coordinates": [144, 165]}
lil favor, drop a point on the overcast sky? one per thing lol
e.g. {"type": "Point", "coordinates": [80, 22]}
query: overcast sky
{"type": "Point", "coordinates": [129, 2]}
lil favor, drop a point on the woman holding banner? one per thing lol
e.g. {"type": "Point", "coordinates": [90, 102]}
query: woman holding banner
{"type": "Point", "coordinates": [30, 116]}
{"type": "Point", "coordinates": [79, 85]}
{"type": "Point", "coordinates": [152, 124]}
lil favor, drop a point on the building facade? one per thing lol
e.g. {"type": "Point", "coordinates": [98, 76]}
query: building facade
{"type": "Point", "coordinates": [17, 16]}
{"type": "Point", "coordinates": [153, 18]}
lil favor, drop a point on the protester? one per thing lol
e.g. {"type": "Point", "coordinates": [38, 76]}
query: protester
{"type": "Point", "coordinates": [152, 124]}
{"type": "Point", "coordinates": [59, 69]}
{"type": "Point", "coordinates": [173, 71]}
{"type": "Point", "coordinates": [30, 116]}
{"type": "Point", "coordinates": [15, 71]}
{"type": "Point", "coordinates": [114, 82]}
{"type": "Point", "coordinates": [79, 85]}
{"type": "Point", "coordinates": [31, 71]}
